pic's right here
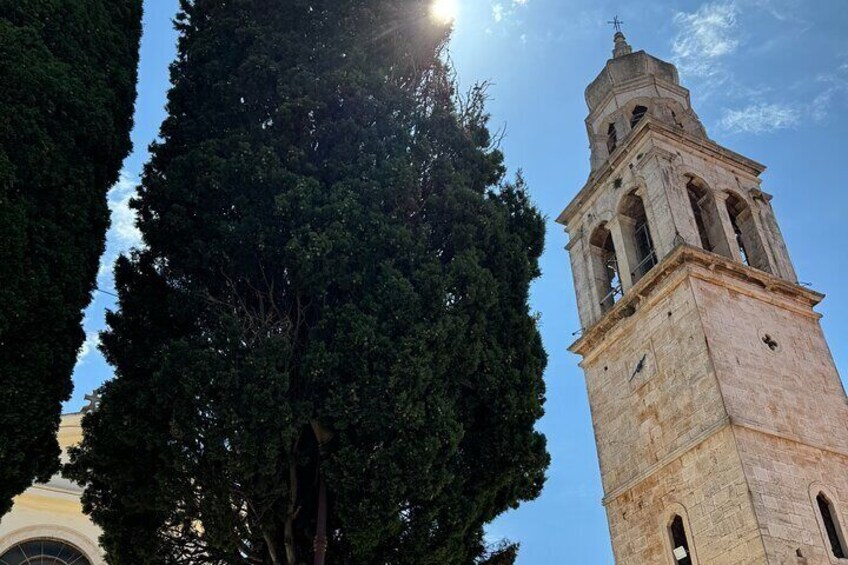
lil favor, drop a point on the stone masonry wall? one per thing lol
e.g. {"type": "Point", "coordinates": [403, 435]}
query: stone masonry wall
{"type": "Point", "coordinates": [792, 390]}
{"type": "Point", "coordinates": [790, 407]}
{"type": "Point", "coordinates": [707, 482]}
{"type": "Point", "coordinates": [641, 418]}
{"type": "Point", "coordinates": [658, 170]}
{"type": "Point", "coordinates": [692, 407]}
{"type": "Point", "coordinates": [784, 477]}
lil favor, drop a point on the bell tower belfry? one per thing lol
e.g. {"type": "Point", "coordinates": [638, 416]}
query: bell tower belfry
{"type": "Point", "coordinates": [720, 419]}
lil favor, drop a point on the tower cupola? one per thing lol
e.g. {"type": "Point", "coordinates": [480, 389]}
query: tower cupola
{"type": "Point", "coordinates": [630, 87]}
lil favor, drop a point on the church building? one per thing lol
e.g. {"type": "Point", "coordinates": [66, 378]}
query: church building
{"type": "Point", "coordinates": [720, 419]}
{"type": "Point", "coordinates": [46, 525]}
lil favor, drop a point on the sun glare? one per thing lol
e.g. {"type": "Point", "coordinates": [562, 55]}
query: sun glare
{"type": "Point", "coordinates": [444, 11]}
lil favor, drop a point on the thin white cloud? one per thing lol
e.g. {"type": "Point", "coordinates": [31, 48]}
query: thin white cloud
{"type": "Point", "coordinates": [92, 340]}
{"type": "Point", "coordinates": [704, 37]}
{"type": "Point", "coordinates": [761, 118]}
{"type": "Point", "coordinates": [504, 10]}
{"type": "Point", "coordinates": [835, 85]}
{"type": "Point", "coordinates": [781, 10]}
{"type": "Point", "coordinates": [123, 233]}
{"type": "Point", "coordinates": [758, 118]}
{"type": "Point", "coordinates": [123, 217]}
{"type": "Point", "coordinates": [104, 271]}
{"type": "Point", "coordinates": [703, 49]}
{"type": "Point", "coordinates": [498, 12]}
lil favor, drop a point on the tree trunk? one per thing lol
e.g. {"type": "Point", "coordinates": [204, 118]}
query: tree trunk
{"type": "Point", "coordinates": [291, 554]}
{"type": "Point", "coordinates": [320, 545]}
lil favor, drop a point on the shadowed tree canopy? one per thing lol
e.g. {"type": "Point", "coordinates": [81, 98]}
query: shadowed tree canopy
{"type": "Point", "coordinates": [67, 89]}
{"type": "Point", "coordinates": [331, 252]}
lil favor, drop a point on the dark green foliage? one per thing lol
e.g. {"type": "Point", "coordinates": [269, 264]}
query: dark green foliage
{"type": "Point", "coordinates": [67, 88]}
{"type": "Point", "coordinates": [330, 247]}
{"type": "Point", "coordinates": [504, 553]}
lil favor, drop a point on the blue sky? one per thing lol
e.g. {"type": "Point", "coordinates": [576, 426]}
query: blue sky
{"type": "Point", "coordinates": [769, 79]}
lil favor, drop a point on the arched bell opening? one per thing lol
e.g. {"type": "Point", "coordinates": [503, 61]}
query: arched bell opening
{"type": "Point", "coordinates": [605, 268]}
{"type": "Point", "coordinates": [641, 254]}
{"type": "Point", "coordinates": [747, 236]}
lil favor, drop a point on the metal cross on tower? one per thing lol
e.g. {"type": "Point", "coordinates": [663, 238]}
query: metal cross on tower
{"type": "Point", "coordinates": [616, 23]}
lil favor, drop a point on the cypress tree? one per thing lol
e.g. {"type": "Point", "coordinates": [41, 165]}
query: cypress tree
{"type": "Point", "coordinates": [333, 298]}
{"type": "Point", "coordinates": [67, 89]}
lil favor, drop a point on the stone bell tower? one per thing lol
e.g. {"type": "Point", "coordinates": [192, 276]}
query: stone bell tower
{"type": "Point", "coordinates": [720, 419]}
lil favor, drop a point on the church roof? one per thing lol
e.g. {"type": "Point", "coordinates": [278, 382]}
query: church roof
{"type": "Point", "coordinates": [624, 67]}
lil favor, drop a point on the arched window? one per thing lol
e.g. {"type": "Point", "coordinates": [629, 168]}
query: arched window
{"type": "Point", "coordinates": [677, 121]}
{"type": "Point", "coordinates": [637, 115]}
{"type": "Point", "coordinates": [745, 229]}
{"type": "Point", "coordinates": [638, 236]}
{"type": "Point", "coordinates": [680, 550]}
{"type": "Point", "coordinates": [707, 219]}
{"type": "Point", "coordinates": [605, 268]}
{"type": "Point", "coordinates": [697, 199]}
{"type": "Point", "coordinates": [44, 552]}
{"type": "Point", "coordinates": [612, 138]}
{"type": "Point", "coordinates": [832, 528]}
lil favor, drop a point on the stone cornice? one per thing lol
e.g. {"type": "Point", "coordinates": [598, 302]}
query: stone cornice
{"type": "Point", "coordinates": [72, 491]}
{"type": "Point", "coordinates": [707, 433]}
{"type": "Point", "coordinates": [714, 267]}
{"type": "Point", "coordinates": [647, 127]}
{"type": "Point", "coordinates": [740, 422]}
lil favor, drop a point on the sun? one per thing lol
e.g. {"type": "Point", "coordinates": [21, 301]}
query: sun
{"type": "Point", "coordinates": [444, 11]}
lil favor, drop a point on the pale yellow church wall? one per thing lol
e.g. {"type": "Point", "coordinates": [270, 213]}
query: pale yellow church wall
{"type": "Point", "coordinates": [53, 511]}
{"type": "Point", "coordinates": [664, 440]}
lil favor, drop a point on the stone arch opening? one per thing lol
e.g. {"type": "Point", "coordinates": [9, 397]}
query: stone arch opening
{"type": "Point", "coordinates": [637, 236]}
{"type": "Point", "coordinates": [745, 231]}
{"type": "Point", "coordinates": [612, 138]}
{"type": "Point", "coordinates": [638, 113]}
{"type": "Point", "coordinates": [697, 199]}
{"type": "Point", "coordinates": [706, 215]}
{"type": "Point", "coordinates": [677, 532]}
{"type": "Point", "coordinates": [681, 551]}
{"type": "Point", "coordinates": [605, 268]}
{"type": "Point", "coordinates": [832, 528]}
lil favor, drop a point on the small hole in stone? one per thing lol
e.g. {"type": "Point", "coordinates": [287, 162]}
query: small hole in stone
{"type": "Point", "coordinates": [669, 314]}
{"type": "Point", "coordinates": [606, 368]}
{"type": "Point", "coordinates": [770, 342]}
